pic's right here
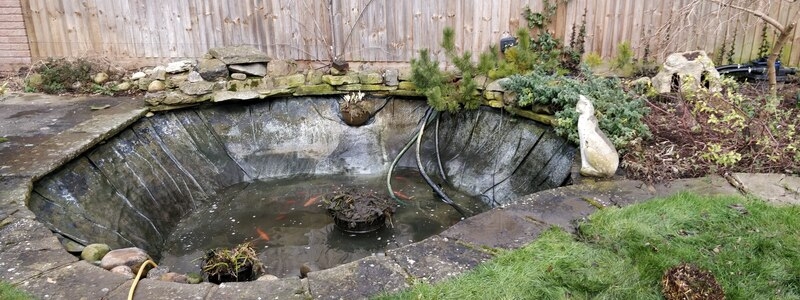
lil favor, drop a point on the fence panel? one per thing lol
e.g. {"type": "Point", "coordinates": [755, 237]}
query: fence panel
{"type": "Point", "coordinates": [376, 30]}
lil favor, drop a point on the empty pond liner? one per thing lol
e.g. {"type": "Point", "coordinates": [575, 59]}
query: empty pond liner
{"type": "Point", "coordinates": [293, 182]}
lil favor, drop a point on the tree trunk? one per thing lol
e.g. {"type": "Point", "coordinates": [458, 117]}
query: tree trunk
{"type": "Point", "coordinates": [773, 57]}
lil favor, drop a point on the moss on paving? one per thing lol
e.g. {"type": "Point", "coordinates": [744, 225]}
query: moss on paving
{"type": "Point", "coordinates": [621, 253]}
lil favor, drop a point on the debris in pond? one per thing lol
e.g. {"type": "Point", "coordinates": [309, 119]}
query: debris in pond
{"type": "Point", "coordinates": [262, 235]}
{"type": "Point", "coordinates": [359, 211]}
{"type": "Point", "coordinates": [99, 107]}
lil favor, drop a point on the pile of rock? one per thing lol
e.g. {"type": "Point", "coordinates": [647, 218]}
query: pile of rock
{"type": "Point", "coordinates": [245, 73]}
{"type": "Point", "coordinates": [128, 262]}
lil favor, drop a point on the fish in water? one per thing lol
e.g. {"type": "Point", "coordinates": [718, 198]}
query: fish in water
{"type": "Point", "coordinates": [262, 235]}
{"type": "Point", "coordinates": [401, 195]}
{"type": "Point", "coordinates": [311, 200]}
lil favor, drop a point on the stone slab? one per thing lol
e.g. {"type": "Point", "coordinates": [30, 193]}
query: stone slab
{"type": "Point", "coordinates": [37, 127]}
{"type": "Point", "coordinates": [149, 289]}
{"type": "Point", "coordinates": [80, 280]}
{"type": "Point", "coordinates": [436, 258]}
{"type": "Point", "coordinates": [358, 280]}
{"type": "Point", "coordinates": [285, 288]}
{"type": "Point", "coordinates": [780, 189]}
{"type": "Point", "coordinates": [496, 229]}
{"type": "Point", "coordinates": [32, 258]}
{"type": "Point", "coordinates": [553, 207]}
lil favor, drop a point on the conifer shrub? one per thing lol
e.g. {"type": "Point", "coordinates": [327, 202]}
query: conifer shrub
{"type": "Point", "coordinates": [620, 114]}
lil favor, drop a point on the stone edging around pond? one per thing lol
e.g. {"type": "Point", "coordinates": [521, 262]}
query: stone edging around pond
{"type": "Point", "coordinates": [50, 272]}
{"type": "Point", "coordinates": [244, 73]}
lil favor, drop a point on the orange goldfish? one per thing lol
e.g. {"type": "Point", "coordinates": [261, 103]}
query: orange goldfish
{"type": "Point", "coordinates": [262, 235]}
{"type": "Point", "coordinates": [401, 195]}
{"type": "Point", "coordinates": [311, 200]}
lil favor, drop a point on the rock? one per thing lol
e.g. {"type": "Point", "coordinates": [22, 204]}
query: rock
{"type": "Point", "coordinates": [239, 76]}
{"type": "Point", "coordinates": [175, 80]}
{"type": "Point", "coordinates": [290, 81]}
{"type": "Point", "coordinates": [94, 252]}
{"type": "Point", "coordinates": [138, 75]}
{"type": "Point", "coordinates": [159, 73]}
{"type": "Point", "coordinates": [193, 77]}
{"type": "Point", "coordinates": [267, 277]}
{"type": "Point", "coordinates": [315, 90]}
{"type": "Point", "coordinates": [228, 95]}
{"type": "Point", "coordinates": [370, 78]}
{"type": "Point", "coordinates": [144, 83]}
{"type": "Point", "coordinates": [490, 95]}
{"type": "Point", "coordinates": [340, 80]}
{"type": "Point", "coordinates": [365, 87]}
{"type": "Point", "coordinates": [100, 78]}
{"type": "Point", "coordinates": [497, 85]}
{"type": "Point", "coordinates": [174, 277]}
{"type": "Point", "coordinates": [194, 278]}
{"type": "Point", "coordinates": [314, 77]}
{"type": "Point", "coordinates": [212, 69]}
{"type": "Point", "coordinates": [599, 158]}
{"type": "Point", "coordinates": [281, 67]}
{"type": "Point", "coordinates": [132, 257]}
{"type": "Point", "coordinates": [196, 88]}
{"type": "Point", "coordinates": [77, 85]}
{"type": "Point", "coordinates": [124, 270]}
{"type": "Point", "coordinates": [69, 245]}
{"type": "Point", "coordinates": [390, 77]}
{"type": "Point", "coordinates": [407, 86]}
{"type": "Point", "coordinates": [176, 97]}
{"type": "Point", "coordinates": [244, 85]}
{"type": "Point", "coordinates": [156, 85]}
{"type": "Point", "coordinates": [238, 55]}
{"type": "Point", "coordinates": [179, 66]}
{"type": "Point", "coordinates": [404, 74]}
{"type": "Point", "coordinates": [274, 92]}
{"type": "Point", "coordinates": [481, 81]}
{"type": "Point", "coordinates": [154, 98]}
{"type": "Point", "coordinates": [691, 70]}
{"type": "Point", "coordinates": [124, 86]}
{"type": "Point", "coordinates": [255, 69]}
{"type": "Point", "coordinates": [157, 272]}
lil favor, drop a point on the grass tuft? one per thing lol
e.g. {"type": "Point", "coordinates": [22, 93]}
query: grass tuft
{"type": "Point", "coordinates": [9, 292]}
{"type": "Point", "coordinates": [749, 246]}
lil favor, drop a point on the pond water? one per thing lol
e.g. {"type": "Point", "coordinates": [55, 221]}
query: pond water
{"type": "Point", "coordinates": [287, 222]}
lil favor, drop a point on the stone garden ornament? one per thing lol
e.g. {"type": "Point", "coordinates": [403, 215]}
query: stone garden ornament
{"type": "Point", "coordinates": [599, 158]}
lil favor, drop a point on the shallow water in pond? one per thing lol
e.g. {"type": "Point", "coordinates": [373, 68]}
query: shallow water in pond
{"type": "Point", "coordinates": [288, 224]}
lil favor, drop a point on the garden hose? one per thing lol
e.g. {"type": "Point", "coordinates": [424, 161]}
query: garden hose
{"type": "Point", "coordinates": [430, 182]}
{"type": "Point", "coordinates": [436, 149]}
{"type": "Point", "coordinates": [139, 276]}
{"type": "Point", "coordinates": [397, 160]}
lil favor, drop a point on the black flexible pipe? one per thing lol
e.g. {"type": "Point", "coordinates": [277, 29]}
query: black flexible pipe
{"type": "Point", "coordinates": [438, 157]}
{"type": "Point", "coordinates": [425, 122]}
{"type": "Point", "coordinates": [430, 182]}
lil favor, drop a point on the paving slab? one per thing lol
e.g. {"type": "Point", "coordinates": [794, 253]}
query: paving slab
{"type": "Point", "coordinates": [360, 279]}
{"type": "Point", "coordinates": [496, 228]}
{"type": "Point", "coordinates": [437, 258]}
{"type": "Point", "coordinates": [43, 132]}
{"type": "Point", "coordinates": [285, 288]}
{"type": "Point", "coordinates": [779, 189]}
{"type": "Point", "coordinates": [79, 280]}
{"type": "Point", "coordinates": [150, 289]}
{"type": "Point", "coordinates": [32, 258]}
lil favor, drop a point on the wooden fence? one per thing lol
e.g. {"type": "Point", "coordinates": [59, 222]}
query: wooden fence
{"type": "Point", "coordinates": [143, 31]}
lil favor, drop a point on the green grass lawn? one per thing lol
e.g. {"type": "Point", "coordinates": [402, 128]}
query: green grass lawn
{"type": "Point", "coordinates": [753, 250]}
{"type": "Point", "coordinates": [9, 292]}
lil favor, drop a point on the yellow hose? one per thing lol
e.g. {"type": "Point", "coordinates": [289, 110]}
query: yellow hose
{"type": "Point", "coordinates": [139, 276]}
